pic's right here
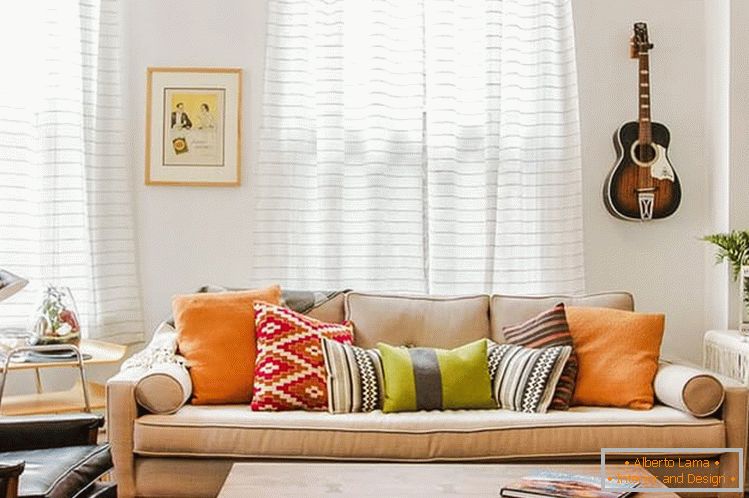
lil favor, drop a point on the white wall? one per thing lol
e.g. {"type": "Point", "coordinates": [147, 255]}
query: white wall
{"type": "Point", "coordinates": [738, 181]}
{"type": "Point", "coordinates": [191, 236]}
{"type": "Point", "coordinates": [661, 262]}
{"type": "Point", "coordinates": [717, 153]}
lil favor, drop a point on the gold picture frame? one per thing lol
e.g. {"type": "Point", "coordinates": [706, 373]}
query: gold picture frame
{"type": "Point", "coordinates": [193, 126]}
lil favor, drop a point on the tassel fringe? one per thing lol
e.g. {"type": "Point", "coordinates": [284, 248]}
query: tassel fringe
{"type": "Point", "coordinates": [728, 360]}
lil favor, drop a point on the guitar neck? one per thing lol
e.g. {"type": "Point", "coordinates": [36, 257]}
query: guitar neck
{"type": "Point", "coordinates": [645, 133]}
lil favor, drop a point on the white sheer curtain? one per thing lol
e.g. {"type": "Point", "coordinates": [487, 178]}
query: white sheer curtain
{"type": "Point", "coordinates": [65, 194]}
{"type": "Point", "coordinates": [503, 147]}
{"type": "Point", "coordinates": [340, 182]}
{"type": "Point", "coordinates": [425, 146]}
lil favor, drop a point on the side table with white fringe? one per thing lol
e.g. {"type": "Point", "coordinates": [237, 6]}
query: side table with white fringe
{"type": "Point", "coordinates": [726, 352]}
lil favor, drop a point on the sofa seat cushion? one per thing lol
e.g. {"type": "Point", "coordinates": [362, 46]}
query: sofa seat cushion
{"type": "Point", "coordinates": [235, 431]}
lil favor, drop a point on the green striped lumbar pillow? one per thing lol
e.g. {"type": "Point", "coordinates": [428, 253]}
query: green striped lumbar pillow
{"type": "Point", "coordinates": [436, 379]}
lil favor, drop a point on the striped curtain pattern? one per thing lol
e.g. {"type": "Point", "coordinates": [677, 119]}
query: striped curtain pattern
{"type": "Point", "coordinates": [65, 194]}
{"type": "Point", "coordinates": [420, 146]}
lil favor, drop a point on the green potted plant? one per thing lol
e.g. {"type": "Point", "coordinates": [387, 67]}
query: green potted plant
{"type": "Point", "coordinates": [734, 248]}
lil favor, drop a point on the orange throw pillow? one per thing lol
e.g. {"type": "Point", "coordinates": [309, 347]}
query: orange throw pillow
{"type": "Point", "coordinates": [216, 334]}
{"type": "Point", "coordinates": [618, 355]}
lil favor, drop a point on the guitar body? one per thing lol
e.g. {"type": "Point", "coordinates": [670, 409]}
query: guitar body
{"type": "Point", "coordinates": [642, 185]}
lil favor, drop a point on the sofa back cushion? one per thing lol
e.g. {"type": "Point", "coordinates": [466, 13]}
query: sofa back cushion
{"type": "Point", "coordinates": [506, 311]}
{"type": "Point", "coordinates": [427, 321]}
{"type": "Point", "coordinates": [329, 310]}
{"type": "Point", "coordinates": [326, 306]}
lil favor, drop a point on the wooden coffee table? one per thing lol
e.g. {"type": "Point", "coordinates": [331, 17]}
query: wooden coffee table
{"type": "Point", "coordinates": [311, 479]}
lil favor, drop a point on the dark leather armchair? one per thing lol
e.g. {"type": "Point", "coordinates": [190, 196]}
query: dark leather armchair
{"type": "Point", "coordinates": [53, 456]}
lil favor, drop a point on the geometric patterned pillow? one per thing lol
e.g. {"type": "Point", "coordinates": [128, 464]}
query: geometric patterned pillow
{"type": "Point", "coordinates": [544, 330]}
{"type": "Point", "coordinates": [289, 366]}
{"type": "Point", "coordinates": [355, 379]}
{"type": "Point", "coordinates": [524, 379]}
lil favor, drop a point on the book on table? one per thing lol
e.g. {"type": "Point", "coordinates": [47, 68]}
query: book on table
{"type": "Point", "coordinates": [563, 485]}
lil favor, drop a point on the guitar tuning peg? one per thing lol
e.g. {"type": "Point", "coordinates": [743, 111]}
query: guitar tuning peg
{"type": "Point", "coordinates": [632, 48]}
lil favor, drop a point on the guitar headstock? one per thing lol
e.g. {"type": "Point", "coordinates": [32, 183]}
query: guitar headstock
{"type": "Point", "coordinates": [640, 44]}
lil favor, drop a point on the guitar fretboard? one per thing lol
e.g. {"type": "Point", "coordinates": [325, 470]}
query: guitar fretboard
{"type": "Point", "coordinates": [645, 134]}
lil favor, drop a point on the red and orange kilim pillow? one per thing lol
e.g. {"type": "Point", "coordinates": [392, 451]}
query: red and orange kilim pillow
{"type": "Point", "coordinates": [290, 368]}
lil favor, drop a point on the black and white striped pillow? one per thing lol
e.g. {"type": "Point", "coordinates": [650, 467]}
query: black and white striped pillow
{"type": "Point", "coordinates": [354, 377]}
{"type": "Point", "coordinates": [547, 329]}
{"type": "Point", "coordinates": [524, 379]}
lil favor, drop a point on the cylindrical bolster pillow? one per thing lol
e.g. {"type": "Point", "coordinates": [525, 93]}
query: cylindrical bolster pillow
{"type": "Point", "coordinates": [164, 388]}
{"type": "Point", "coordinates": [688, 389]}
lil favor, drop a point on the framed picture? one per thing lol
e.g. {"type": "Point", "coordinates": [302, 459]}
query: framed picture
{"type": "Point", "coordinates": [193, 126]}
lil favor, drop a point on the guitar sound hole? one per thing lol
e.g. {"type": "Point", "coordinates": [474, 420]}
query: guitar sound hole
{"type": "Point", "coordinates": [644, 153]}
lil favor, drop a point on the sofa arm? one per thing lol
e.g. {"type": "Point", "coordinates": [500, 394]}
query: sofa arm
{"type": "Point", "coordinates": [148, 367]}
{"type": "Point", "coordinates": [734, 413]}
{"type": "Point", "coordinates": [48, 431]}
{"type": "Point", "coordinates": [689, 389]}
{"type": "Point", "coordinates": [122, 410]}
{"type": "Point", "coordinates": [735, 416]}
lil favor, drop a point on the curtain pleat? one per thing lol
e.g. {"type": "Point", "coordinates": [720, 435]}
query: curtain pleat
{"type": "Point", "coordinates": [505, 198]}
{"type": "Point", "coordinates": [339, 182]}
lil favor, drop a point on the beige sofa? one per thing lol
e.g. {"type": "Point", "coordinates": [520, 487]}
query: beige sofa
{"type": "Point", "coordinates": [189, 452]}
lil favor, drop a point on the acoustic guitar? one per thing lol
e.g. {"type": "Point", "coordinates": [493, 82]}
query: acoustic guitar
{"type": "Point", "coordinates": [643, 184]}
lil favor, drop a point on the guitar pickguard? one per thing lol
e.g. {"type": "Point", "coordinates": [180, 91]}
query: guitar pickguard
{"type": "Point", "coordinates": [661, 169]}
